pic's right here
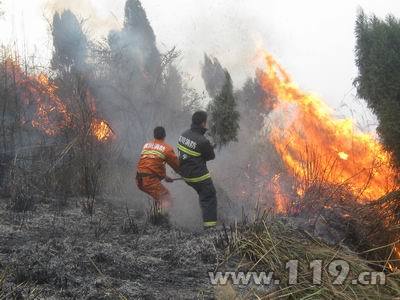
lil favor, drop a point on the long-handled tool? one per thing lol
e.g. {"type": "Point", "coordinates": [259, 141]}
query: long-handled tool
{"type": "Point", "coordinates": [177, 179]}
{"type": "Point", "coordinates": [173, 179]}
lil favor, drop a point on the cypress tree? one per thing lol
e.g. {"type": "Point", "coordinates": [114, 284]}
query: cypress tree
{"type": "Point", "coordinates": [378, 81]}
{"type": "Point", "coordinates": [224, 118]}
{"type": "Point", "coordinates": [69, 41]}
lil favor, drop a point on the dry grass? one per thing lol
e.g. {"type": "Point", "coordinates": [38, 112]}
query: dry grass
{"type": "Point", "coordinates": [31, 292]}
{"type": "Point", "coordinates": [269, 243]}
{"type": "Point", "coordinates": [365, 224]}
{"type": "Point", "coordinates": [226, 292]}
{"type": "Point", "coordinates": [3, 275]}
{"type": "Point", "coordinates": [382, 219]}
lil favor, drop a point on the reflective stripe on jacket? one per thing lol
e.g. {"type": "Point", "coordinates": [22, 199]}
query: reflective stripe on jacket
{"type": "Point", "coordinates": [194, 151]}
{"type": "Point", "coordinates": [154, 156]}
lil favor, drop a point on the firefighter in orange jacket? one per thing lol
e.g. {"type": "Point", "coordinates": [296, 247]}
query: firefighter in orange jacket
{"type": "Point", "coordinates": [151, 169]}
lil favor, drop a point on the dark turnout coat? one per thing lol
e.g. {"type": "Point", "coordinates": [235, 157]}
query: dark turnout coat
{"type": "Point", "coordinates": [194, 152]}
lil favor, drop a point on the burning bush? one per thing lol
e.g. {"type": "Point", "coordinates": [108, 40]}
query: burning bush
{"type": "Point", "coordinates": [62, 118]}
{"type": "Point", "coordinates": [49, 140]}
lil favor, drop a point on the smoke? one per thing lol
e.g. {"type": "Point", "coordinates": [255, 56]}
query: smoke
{"type": "Point", "coordinates": [98, 22]}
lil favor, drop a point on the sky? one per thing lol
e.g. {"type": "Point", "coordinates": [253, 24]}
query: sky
{"type": "Point", "coordinates": [313, 39]}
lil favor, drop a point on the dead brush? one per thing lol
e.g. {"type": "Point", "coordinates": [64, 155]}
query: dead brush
{"type": "Point", "coordinates": [314, 183]}
{"type": "Point", "coordinates": [101, 228]}
{"type": "Point", "coordinates": [102, 223]}
{"type": "Point", "coordinates": [129, 226]}
{"type": "Point", "coordinates": [3, 276]}
{"type": "Point", "coordinates": [16, 292]}
{"type": "Point", "coordinates": [365, 223]}
{"type": "Point", "coordinates": [319, 180]}
{"type": "Point", "coordinates": [88, 206]}
{"type": "Point", "coordinates": [21, 199]}
{"type": "Point", "coordinates": [269, 243]}
{"type": "Point", "coordinates": [158, 217]}
{"type": "Point", "coordinates": [382, 227]}
{"type": "Point", "coordinates": [108, 287]}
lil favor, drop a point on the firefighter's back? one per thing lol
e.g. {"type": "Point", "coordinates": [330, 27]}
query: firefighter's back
{"type": "Point", "coordinates": [152, 158]}
{"type": "Point", "coordinates": [191, 146]}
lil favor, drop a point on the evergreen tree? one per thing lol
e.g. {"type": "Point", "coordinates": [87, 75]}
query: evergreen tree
{"type": "Point", "coordinates": [173, 90]}
{"type": "Point", "coordinates": [224, 121]}
{"type": "Point", "coordinates": [135, 45]}
{"type": "Point", "coordinates": [378, 82]}
{"type": "Point", "coordinates": [254, 102]}
{"type": "Point", "coordinates": [213, 75]}
{"type": "Point", "coordinates": [136, 21]}
{"type": "Point", "coordinates": [69, 41]}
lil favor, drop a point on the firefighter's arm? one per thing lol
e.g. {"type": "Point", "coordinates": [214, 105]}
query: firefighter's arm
{"type": "Point", "coordinates": [207, 151]}
{"type": "Point", "coordinates": [172, 160]}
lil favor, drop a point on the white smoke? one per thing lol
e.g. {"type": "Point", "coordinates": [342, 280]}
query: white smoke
{"type": "Point", "coordinates": [99, 17]}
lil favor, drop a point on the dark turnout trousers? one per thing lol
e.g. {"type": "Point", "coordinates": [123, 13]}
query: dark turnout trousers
{"type": "Point", "coordinates": [208, 201]}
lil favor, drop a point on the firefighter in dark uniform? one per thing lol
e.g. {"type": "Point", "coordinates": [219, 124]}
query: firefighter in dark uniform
{"type": "Point", "coordinates": [194, 152]}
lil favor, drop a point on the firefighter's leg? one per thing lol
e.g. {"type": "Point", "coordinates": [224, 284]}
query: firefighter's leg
{"type": "Point", "coordinates": [164, 198]}
{"type": "Point", "coordinates": [208, 201]}
{"type": "Point", "coordinates": [160, 194]}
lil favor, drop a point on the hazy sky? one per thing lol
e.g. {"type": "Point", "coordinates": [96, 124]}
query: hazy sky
{"type": "Point", "coordinates": [313, 39]}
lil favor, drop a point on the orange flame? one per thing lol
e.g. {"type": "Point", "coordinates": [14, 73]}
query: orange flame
{"type": "Point", "coordinates": [51, 115]}
{"type": "Point", "coordinates": [313, 143]}
{"type": "Point", "coordinates": [48, 105]}
{"type": "Point", "coordinates": [101, 130]}
{"type": "Point", "coordinates": [279, 197]}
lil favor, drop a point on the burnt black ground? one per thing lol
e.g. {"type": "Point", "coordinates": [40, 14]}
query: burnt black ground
{"type": "Point", "coordinates": [64, 254]}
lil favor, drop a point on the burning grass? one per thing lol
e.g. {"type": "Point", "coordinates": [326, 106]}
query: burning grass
{"type": "Point", "coordinates": [270, 243]}
{"type": "Point", "coordinates": [334, 214]}
{"type": "Point", "coordinates": [330, 170]}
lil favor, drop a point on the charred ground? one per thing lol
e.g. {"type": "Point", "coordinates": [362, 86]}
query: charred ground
{"type": "Point", "coordinates": [55, 254]}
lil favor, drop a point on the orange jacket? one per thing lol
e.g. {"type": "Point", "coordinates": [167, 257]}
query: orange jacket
{"type": "Point", "coordinates": [154, 156]}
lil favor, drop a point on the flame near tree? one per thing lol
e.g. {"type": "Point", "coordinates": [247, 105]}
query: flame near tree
{"type": "Point", "coordinates": [312, 143]}
{"type": "Point", "coordinates": [51, 113]}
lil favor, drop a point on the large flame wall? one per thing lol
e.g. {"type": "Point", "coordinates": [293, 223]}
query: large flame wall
{"type": "Point", "coordinates": [316, 146]}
